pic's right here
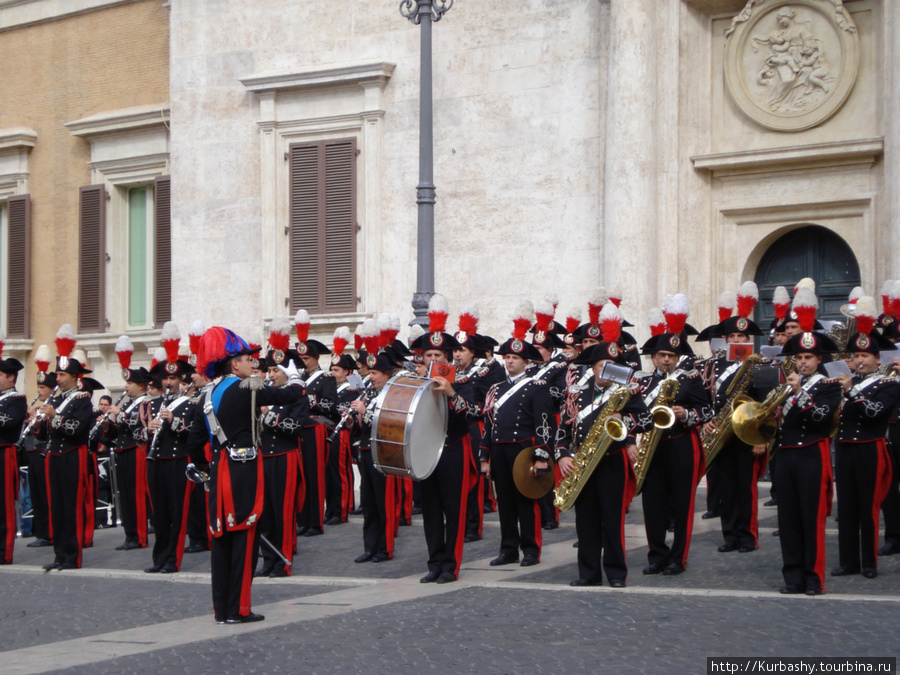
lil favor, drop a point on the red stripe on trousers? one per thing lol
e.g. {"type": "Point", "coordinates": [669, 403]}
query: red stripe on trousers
{"type": "Point", "coordinates": [826, 486]}
{"type": "Point", "coordinates": [699, 470]}
{"type": "Point", "coordinates": [79, 500]}
{"type": "Point", "coordinates": [288, 514]}
{"type": "Point", "coordinates": [182, 530]}
{"type": "Point", "coordinates": [141, 491]}
{"type": "Point", "coordinates": [10, 493]}
{"type": "Point", "coordinates": [49, 493]}
{"type": "Point", "coordinates": [882, 485]}
{"type": "Point", "coordinates": [322, 454]}
{"type": "Point", "coordinates": [343, 466]}
{"type": "Point", "coordinates": [390, 513]}
{"type": "Point", "coordinates": [247, 576]}
{"type": "Point", "coordinates": [759, 468]}
{"type": "Point", "coordinates": [538, 530]}
{"type": "Point", "coordinates": [463, 499]}
{"type": "Point", "coordinates": [90, 497]}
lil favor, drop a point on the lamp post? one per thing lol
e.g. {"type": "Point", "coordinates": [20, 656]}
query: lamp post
{"type": "Point", "coordinates": [424, 13]}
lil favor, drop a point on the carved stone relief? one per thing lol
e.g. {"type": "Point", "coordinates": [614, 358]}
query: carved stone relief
{"type": "Point", "coordinates": [791, 64]}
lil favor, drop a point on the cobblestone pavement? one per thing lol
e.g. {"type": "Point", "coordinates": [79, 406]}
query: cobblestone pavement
{"type": "Point", "coordinates": [337, 616]}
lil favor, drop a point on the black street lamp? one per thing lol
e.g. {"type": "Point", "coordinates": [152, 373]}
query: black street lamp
{"type": "Point", "coordinates": [424, 13]}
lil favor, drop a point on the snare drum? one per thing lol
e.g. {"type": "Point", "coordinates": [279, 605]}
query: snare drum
{"type": "Point", "coordinates": [409, 427]}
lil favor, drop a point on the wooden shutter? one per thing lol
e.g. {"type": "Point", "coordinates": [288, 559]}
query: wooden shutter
{"type": "Point", "coordinates": [92, 260]}
{"type": "Point", "coordinates": [163, 273]}
{"type": "Point", "coordinates": [18, 259]}
{"type": "Point", "coordinates": [323, 226]}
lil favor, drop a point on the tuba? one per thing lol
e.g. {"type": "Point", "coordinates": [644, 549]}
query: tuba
{"type": "Point", "coordinates": [714, 441]}
{"type": "Point", "coordinates": [600, 437]}
{"type": "Point", "coordinates": [663, 418]}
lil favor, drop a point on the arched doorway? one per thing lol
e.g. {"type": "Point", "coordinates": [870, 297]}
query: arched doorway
{"type": "Point", "coordinates": [811, 251]}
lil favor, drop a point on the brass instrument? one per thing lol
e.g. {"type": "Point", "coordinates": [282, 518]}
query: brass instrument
{"type": "Point", "coordinates": [663, 418]}
{"type": "Point", "coordinates": [601, 435]}
{"type": "Point", "coordinates": [755, 423]}
{"type": "Point", "coordinates": [714, 441]}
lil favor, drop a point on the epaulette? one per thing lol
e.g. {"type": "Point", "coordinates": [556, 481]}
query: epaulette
{"type": "Point", "coordinates": [539, 382]}
{"type": "Point", "coordinates": [830, 380]}
{"type": "Point", "coordinates": [691, 374]}
{"type": "Point", "coordinates": [82, 394]}
{"type": "Point", "coordinates": [253, 383]}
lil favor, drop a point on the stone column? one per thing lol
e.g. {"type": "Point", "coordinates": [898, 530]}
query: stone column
{"type": "Point", "coordinates": [887, 231]}
{"type": "Point", "coordinates": [631, 222]}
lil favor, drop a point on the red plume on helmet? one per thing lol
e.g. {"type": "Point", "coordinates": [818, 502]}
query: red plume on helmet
{"type": "Point", "coordinates": [438, 311]}
{"type": "Point", "coordinates": [523, 319]}
{"type": "Point", "coordinates": [170, 337]}
{"type": "Point", "coordinates": [781, 302]}
{"type": "Point", "coordinates": [65, 340]}
{"type": "Point", "coordinates": [855, 295]}
{"type": "Point", "coordinates": [124, 350]}
{"type": "Point", "coordinates": [865, 314]}
{"type": "Point", "coordinates": [726, 305]}
{"type": "Point", "coordinates": [886, 296]}
{"type": "Point", "coordinates": [805, 306]}
{"type": "Point", "coordinates": [595, 304]}
{"type": "Point", "coordinates": [468, 318]}
{"type": "Point", "coordinates": [611, 322]}
{"type": "Point", "coordinates": [543, 313]}
{"type": "Point", "coordinates": [159, 354]}
{"type": "Point", "coordinates": [301, 321]}
{"type": "Point", "coordinates": [369, 332]}
{"type": "Point", "coordinates": [676, 312]}
{"type": "Point", "coordinates": [194, 334]}
{"type": "Point", "coordinates": [341, 340]}
{"type": "Point", "coordinates": [43, 357]}
{"type": "Point", "coordinates": [747, 296]}
{"type": "Point", "coordinates": [357, 338]}
{"type": "Point", "coordinates": [280, 333]}
{"type": "Point", "coordinates": [895, 299]}
{"type": "Point", "coordinates": [657, 322]}
{"type": "Point", "coordinates": [573, 320]}
{"type": "Point", "coordinates": [615, 296]}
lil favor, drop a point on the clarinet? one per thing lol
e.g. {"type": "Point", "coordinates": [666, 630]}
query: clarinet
{"type": "Point", "coordinates": [37, 418]}
{"type": "Point", "coordinates": [154, 442]}
{"type": "Point", "coordinates": [103, 418]}
{"type": "Point", "coordinates": [350, 412]}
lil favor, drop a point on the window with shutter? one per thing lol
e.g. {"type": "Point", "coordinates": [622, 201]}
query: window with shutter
{"type": "Point", "coordinates": [92, 260]}
{"type": "Point", "coordinates": [163, 280]}
{"type": "Point", "coordinates": [323, 226]}
{"type": "Point", "coordinates": [16, 265]}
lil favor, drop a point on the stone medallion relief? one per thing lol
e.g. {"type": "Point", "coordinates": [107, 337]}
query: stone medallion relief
{"type": "Point", "coordinates": [791, 64]}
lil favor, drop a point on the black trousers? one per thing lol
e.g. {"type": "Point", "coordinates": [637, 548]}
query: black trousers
{"type": "Point", "coordinates": [520, 517]}
{"type": "Point", "coordinates": [737, 469]}
{"type": "Point", "coordinates": [804, 502]}
{"type": "Point", "coordinates": [444, 495]}
{"type": "Point", "coordinates": [131, 478]}
{"type": "Point", "coordinates": [313, 450]}
{"type": "Point", "coordinates": [713, 488]}
{"type": "Point", "coordinates": [339, 478]}
{"type": "Point", "coordinates": [40, 503]}
{"type": "Point", "coordinates": [170, 493]}
{"type": "Point", "coordinates": [862, 478]}
{"type": "Point", "coordinates": [231, 563]}
{"type": "Point", "coordinates": [66, 485]}
{"type": "Point", "coordinates": [600, 520]}
{"type": "Point", "coordinates": [378, 495]}
{"type": "Point", "coordinates": [669, 489]}
{"type": "Point", "coordinates": [891, 504]}
{"type": "Point", "coordinates": [278, 522]}
{"type": "Point", "coordinates": [9, 491]}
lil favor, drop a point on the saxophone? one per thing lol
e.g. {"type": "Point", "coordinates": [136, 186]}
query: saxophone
{"type": "Point", "coordinates": [663, 418]}
{"type": "Point", "coordinates": [602, 433]}
{"type": "Point", "coordinates": [736, 393]}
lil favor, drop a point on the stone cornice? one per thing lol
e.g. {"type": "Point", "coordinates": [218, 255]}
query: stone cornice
{"type": "Point", "coordinates": [820, 155]}
{"type": "Point", "coordinates": [19, 13]}
{"type": "Point", "coordinates": [361, 74]}
{"type": "Point", "coordinates": [123, 120]}
{"type": "Point", "coordinates": [17, 139]}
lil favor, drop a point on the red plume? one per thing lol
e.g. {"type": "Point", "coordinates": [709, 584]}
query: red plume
{"type": "Point", "coordinates": [523, 319]}
{"type": "Point", "coordinates": [747, 296]}
{"type": "Point", "coordinates": [886, 296]}
{"type": "Point", "coordinates": [42, 358]}
{"type": "Point", "coordinates": [468, 318]}
{"type": "Point", "coordinates": [301, 320]}
{"type": "Point", "coordinates": [805, 306]}
{"type": "Point", "coordinates": [615, 296]}
{"type": "Point", "coordinates": [595, 304]}
{"type": "Point", "coordinates": [194, 334]}
{"type": "Point", "coordinates": [341, 340]}
{"type": "Point", "coordinates": [781, 302]}
{"type": "Point", "coordinates": [280, 333]}
{"type": "Point", "coordinates": [438, 311]}
{"type": "Point", "coordinates": [676, 312]}
{"type": "Point", "coordinates": [657, 322]}
{"type": "Point", "coordinates": [124, 350]}
{"type": "Point", "coordinates": [65, 340]}
{"type": "Point", "coordinates": [611, 322]}
{"type": "Point", "coordinates": [170, 338]}
{"type": "Point", "coordinates": [726, 305]}
{"type": "Point", "coordinates": [369, 332]}
{"type": "Point", "coordinates": [865, 313]}
{"type": "Point", "coordinates": [543, 313]}
{"type": "Point", "coordinates": [573, 320]}
{"type": "Point", "coordinates": [895, 299]}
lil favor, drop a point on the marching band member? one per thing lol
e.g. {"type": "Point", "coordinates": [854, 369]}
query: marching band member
{"type": "Point", "coordinates": [13, 410]}
{"type": "Point", "coordinates": [226, 418]}
{"type": "Point", "coordinates": [519, 414]}
{"type": "Point", "coordinates": [601, 505]}
{"type": "Point", "coordinates": [862, 464]}
{"type": "Point", "coordinates": [738, 466]}
{"type": "Point", "coordinates": [445, 491]}
{"type": "Point", "coordinates": [65, 424]}
{"type": "Point", "coordinates": [339, 472]}
{"type": "Point", "coordinates": [284, 487]}
{"type": "Point", "coordinates": [671, 480]}
{"type": "Point", "coordinates": [167, 435]}
{"type": "Point", "coordinates": [376, 491]}
{"type": "Point", "coordinates": [34, 456]}
{"type": "Point", "coordinates": [803, 470]}
{"type": "Point", "coordinates": [322, 392]}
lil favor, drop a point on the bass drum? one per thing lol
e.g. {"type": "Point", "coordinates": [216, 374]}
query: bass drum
{"type": "Point", "coordinates": [409, 427]}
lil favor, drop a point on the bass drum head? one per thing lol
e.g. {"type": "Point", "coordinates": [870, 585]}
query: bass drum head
{"type": "Point", "coordinates": [427, 431]}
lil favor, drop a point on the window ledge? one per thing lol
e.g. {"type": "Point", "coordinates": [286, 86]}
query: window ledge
{"type": "Point", "coordinates": [366, 73]}
{"type": "Point", "coordinates": [123, 120]}
{"type": "Point", "coordinates": [17, 139]}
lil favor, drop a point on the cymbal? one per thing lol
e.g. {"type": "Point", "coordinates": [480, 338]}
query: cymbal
{"type": "Point", "coordinates": [531, 485]}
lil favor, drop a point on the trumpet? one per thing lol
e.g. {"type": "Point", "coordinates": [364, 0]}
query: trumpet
{"type": "Point", "coordinates": [37, 418]}
{"type": "Point", "coordinates": [195, 475]}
